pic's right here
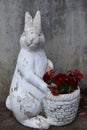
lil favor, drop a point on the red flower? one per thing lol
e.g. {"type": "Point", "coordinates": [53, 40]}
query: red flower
{"type": "Point", "coordinates": [71, 79]}
{"type": "Point", "coordinates": [62, 83]}
{"type": "Point", "coordinates": [51, 73]}
{"type": "Point", "coordinates": [48, 75]}
{"type": "Point", "coordinates": [53, 89]}
{"type": "Point", "coordinates": [78, 75]}
{"type": "Point", "coordinates": [52, 86]}
{"type": "Point", "coordinates": [59, 79]}
{"type": "Point", "coordinates": [72, 82]}
{"type": "Point", "coordinates": [69, 72]}
{"type": "Point", "coordinates": [55, 92]}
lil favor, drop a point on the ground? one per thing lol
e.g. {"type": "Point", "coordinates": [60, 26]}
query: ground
{"type": "Point", "coordinates": [8, 122]}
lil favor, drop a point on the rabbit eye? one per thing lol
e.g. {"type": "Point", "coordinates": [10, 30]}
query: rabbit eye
{"type": "Point", "coordinates": [40, 34]}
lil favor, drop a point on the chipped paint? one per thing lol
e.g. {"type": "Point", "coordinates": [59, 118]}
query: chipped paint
{"type": "Point", "coordinates": [30, 89]}
{"type": "Point", "coordinates": [19, 99]}
{"type": "Point", "coordinates": [29, 114]}
{"type": "Point", "coordinates": [12, 89]}
{"type": "Point", "coordinates": [20, 73]}
{"type": "Point", "coordinates": [16, 88]}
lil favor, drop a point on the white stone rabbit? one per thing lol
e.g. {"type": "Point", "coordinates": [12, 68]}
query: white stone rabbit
{"type": "Point", "coordinates": [27, 88]}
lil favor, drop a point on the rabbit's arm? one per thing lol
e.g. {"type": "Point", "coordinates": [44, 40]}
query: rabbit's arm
{"type": "Point", "coordinates": [49, 65]}
{"type": "Point", "coordinates": [29, 75]}
{"type": "Point", "coordinates": [38, 82]}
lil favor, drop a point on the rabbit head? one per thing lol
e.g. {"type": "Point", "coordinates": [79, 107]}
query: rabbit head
{"type": "Point", "coordinates": [32, 37]}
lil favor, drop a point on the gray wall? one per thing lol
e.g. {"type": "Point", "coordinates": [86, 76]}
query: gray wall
{"type": "Point", "coordinates": [64, 24]}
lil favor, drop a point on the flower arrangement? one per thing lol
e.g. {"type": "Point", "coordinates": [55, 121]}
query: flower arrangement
{"type": "Point", "coordinates": [62, 83]}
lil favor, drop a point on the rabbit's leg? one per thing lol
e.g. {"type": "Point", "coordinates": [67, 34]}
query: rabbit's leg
{"type": "Point", "coordinates": [30, 109]}
{"type": "Point", "coordinates": [38, 122]}
{"type": "Point", "coordinates": [30, 106]}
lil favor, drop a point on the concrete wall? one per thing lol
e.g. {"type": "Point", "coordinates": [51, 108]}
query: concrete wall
{"type": "Point", "coordinates": [64, 24]}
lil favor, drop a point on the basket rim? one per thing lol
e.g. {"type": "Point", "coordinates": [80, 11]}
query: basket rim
{"type": "Point", "coordinates": [64, 97]}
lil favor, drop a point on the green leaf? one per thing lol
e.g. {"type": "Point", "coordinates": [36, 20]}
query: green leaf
{"type": "Point", "coordinates": [50, 81]}
{"type": "Point", "coordinates": [64, 88]}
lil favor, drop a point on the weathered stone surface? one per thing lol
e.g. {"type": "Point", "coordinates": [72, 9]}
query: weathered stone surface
{"type": "Point", "coordinates": [63, 115]}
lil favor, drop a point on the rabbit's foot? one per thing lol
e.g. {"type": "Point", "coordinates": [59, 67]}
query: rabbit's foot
{"type": "Point", "coordinates": [38, 122]}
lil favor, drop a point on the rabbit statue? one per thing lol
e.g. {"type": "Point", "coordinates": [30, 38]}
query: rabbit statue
{"type": "Point", "coordinates": [28, 89]}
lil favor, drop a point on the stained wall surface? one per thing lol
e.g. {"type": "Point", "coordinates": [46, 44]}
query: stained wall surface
{"type": "Point", "coordinates": [64, 23]}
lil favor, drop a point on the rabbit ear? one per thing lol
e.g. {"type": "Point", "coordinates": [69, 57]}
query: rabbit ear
{"type": "Point", "coordinates": [37, 20]}
{"type": "Point", "coordinates": [28, 20]}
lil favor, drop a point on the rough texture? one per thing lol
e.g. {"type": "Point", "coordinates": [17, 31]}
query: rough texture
{"type": "Point", "coordinates": [64, 23]}
{"type": "Point", "coordinates": [28, 89]}
{"type": "Point", "coordinates": [62, 108]}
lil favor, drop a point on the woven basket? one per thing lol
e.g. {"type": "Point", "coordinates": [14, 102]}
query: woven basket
{"type": "Point", "coordinates": [63, 107]}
